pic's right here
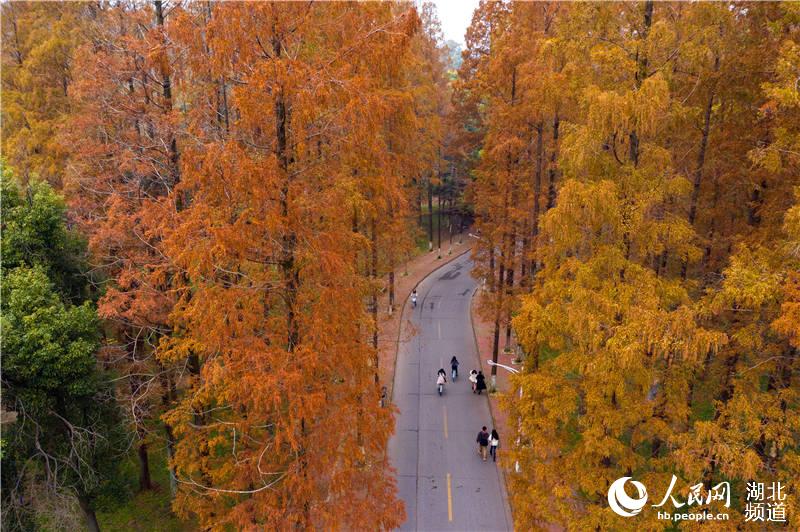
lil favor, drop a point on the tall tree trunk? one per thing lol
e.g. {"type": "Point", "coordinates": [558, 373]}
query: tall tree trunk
{"type": "Point", "coordinates": [166, 91]}
{"type": "Point", "coordinates": [537, 189]}
{"type": "Point", "coordinates": [500, 287]}
{"type": "Point", "coordinates": [374, 276]}
{"type": "Point", "coordinates": [511, 256]}
{"type": "Point", "coordinates": [439, 225]}
{"type": "Point", "coordinates": [641, 75]}
{"type": "Point", "coordinates": [166, 402]}
{"type": "Point", "coordinates": [633, 152]}
{"type": "Point", "coordinates": [552, 172]}
{"type": "Point", "coordinates": [289, 240]}
{"type": "Point", "coordinates": [701, 160]}
{"type": "Point", "coordinates": [510, 289]}
{"type": "Point", "coordinates": [135, 382]}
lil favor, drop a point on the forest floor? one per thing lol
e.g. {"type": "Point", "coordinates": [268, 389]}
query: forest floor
{"type": "Point", "coordinates": [146, 511]}
{"type": "Point", "coordinates": [406, 278]}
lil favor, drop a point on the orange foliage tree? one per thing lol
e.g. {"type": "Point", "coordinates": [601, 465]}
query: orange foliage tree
{"type": "Point", "coordinates": [646, 160]}
{"type": "Point", "coordinates": [121, 181]}
{"type": "Point", "coordinates": [294, 153]}
{"type": "Point", "coordinates": [39, 41]}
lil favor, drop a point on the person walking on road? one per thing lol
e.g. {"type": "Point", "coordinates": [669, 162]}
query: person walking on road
{"type": "Point", "coordinates": [454, 367]}
{"type": "Point", "coordinates": [473, 378]}
{"type": "Point", "coordinates": [483, 443]}
{"type": "Point", "coordinates": [480, 383]}
{"type": "Point", "coordinates": [494, 441]}
{"type": "Point", "coordinates": [414, 298]}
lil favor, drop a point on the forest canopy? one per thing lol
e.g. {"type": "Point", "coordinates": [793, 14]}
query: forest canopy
{"type": "Point", "coordinates": [204, 202]}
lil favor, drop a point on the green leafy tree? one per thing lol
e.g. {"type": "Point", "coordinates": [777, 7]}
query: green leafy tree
{"type": "Point", "coordinates": [64, 437]}
{"type": "Point", "coordinates": [35, 234]}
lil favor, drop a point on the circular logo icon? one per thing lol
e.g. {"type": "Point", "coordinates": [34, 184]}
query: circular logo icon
{"type": "Point", "coordinates": [621, 503]}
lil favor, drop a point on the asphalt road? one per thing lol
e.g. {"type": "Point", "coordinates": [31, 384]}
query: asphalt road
{"type": "Point", "coordinates": [442, 480]}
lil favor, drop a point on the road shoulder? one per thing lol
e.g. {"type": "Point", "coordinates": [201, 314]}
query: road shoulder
{"type": "Point", "coordinates": [482, 330]}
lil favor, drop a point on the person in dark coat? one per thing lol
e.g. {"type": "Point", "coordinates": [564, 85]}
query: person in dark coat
{"type": "Point", "coordinates": [483, 443]}
{"type": "Point", "coordinates": [481, 384]}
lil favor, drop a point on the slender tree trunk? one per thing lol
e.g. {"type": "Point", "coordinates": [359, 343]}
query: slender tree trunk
{"type": "Point", "coordinates": [450, 227]}
{"type": "Point", "coordinates": [144, 466]}
{"type": "Point", "coordinates": [135, 382]}
{"type": "Point", "coordinates": [633, 152]}
{"type": "Point", "coordinates": [224, 90]}
{"type": "Point", "coordinates": [391, 291]}
{"type": "Point", "coordinates": [497, 313]}
{"type": "Point", "coordinates": [526, 254]}
{"type": "Point", "coordinates": [756, 202]}
{"type": "Point", "coordinates": [701, 159]}
{"type": "Point", "coordinates": [419, 207]}
{"type": "Point", "coordinates": [173, 479]}
{"type": "Point", "coordinates": [166, 401]}
{"type": "Point", "coordinates": [552, 172]}
{"type": "Point", "coordinates": [537, 190]}
{"type": "Point", "coordinates": [510, 291]}
{"type": "Point", "coordinates": [430, 214]}
{"type": "Point", "coordinates": [88, 512]}
{"type": "Point", "coordinates": [512, 255]}
{"type": "Point", "coordinates": [491, 268]}
{"type": "Point", "coordinates": [166, 91]}
{"type": "Point", "coordinates": [439, 225]}
{"type": "Point", "coordinates": [712, 228]}
{"type": "Point", "coordinates": [641, 75]}
{"type": "Point", "coordinates": [374, 275]}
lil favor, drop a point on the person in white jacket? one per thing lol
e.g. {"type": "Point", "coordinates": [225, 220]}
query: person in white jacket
{"type": "Point", "coordinates": [494, 441]}
{"type": "Point", "coordinates": [473, 378]}
{"type": "Point", "coordinates": [440, 380]}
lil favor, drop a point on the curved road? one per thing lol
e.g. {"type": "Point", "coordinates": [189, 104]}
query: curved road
{"type": "Point", "coordinates": [441, 478]}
